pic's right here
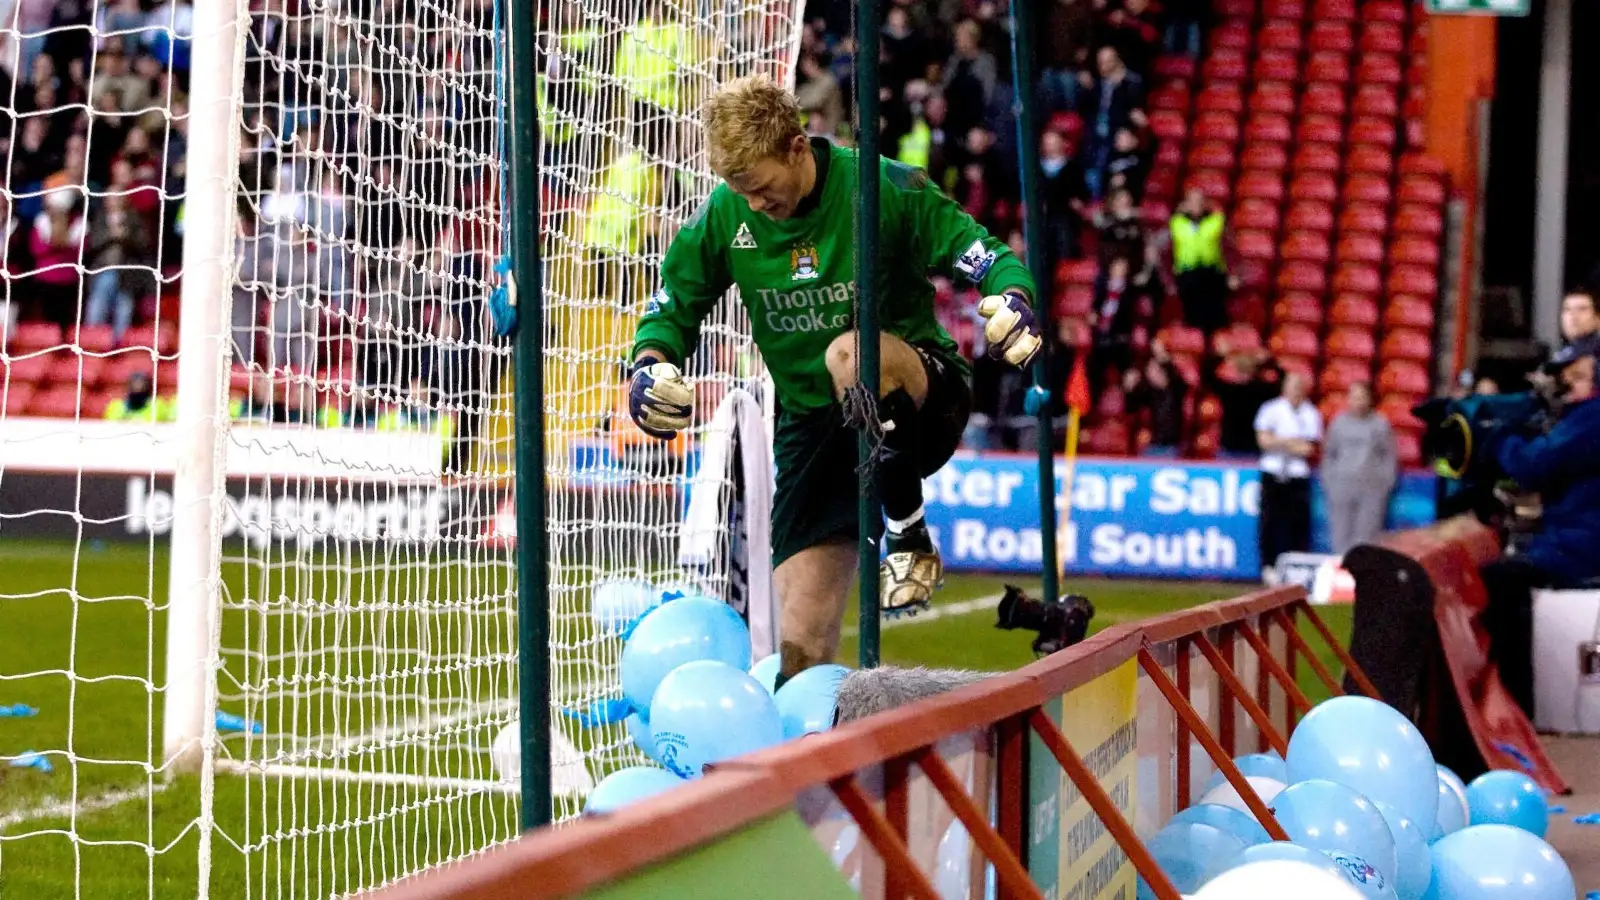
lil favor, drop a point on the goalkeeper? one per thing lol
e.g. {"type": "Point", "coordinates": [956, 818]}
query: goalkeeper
{"type": "Point", "coordinates": [781, 228]}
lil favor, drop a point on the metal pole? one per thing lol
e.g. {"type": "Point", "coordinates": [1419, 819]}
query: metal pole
{"type": "Point", "coordinates": [868, 16]}
{"type": "Point", "coordinates": [533, 601]}
{"type": "Point", "coordinates": [1022, 72]}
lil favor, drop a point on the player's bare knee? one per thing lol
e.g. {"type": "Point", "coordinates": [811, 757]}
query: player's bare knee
{"type": "Point", "coordinates": [841, 361]}
{"type": "Point", "coordinates": [795, 655]}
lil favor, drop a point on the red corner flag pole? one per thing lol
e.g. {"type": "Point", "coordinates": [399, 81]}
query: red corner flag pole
{"type": "Point", "coordinates": [1077, 403]}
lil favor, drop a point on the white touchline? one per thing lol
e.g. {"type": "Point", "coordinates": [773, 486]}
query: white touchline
{"type": "Point", "coordinates": [59, 808]}
{"type": "Point", "coordinates": [938, 611]}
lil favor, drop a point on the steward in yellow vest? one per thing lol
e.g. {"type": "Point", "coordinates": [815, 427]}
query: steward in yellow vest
{"type": "Point", "coordinates": [1198, 263]}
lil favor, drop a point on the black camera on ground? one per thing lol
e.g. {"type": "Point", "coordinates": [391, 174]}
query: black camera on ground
{"type": "Point", "coordinates": [1057, 625]}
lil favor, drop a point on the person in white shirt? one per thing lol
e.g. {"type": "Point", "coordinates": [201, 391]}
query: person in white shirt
{"type": "Point", "coordinates": [1288, 430]}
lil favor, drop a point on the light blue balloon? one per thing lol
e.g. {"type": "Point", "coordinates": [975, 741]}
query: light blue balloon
{"type": "Point", "coordinates": [1369, 747]}
{"type": "Point", "coordinates": [1191, 854]}
{"type": "Point", "coordinates": [1260, 765]}
{"type": "Point", "coordinates": [683, 631]}
{"type": "Point", "coordinates": [626, 786]}
{"type": "Point", "coordinates": [639, 730]}
{"type": "Point", "coordinates": [1326, 816]}
{"type": "Point", "coordinates": [1236, 822]}
{"type": "Point", "coordinates": [1504, 797]}
{"type": "Point", "coordinates": [766, 671]}
{"type": "Point", "coordinates": [706, 712]}
{"type": "Point", "coordinates": [1283, 850]}
{"type": "Point", "coordinates": [1411, 852]}
{"type": "Point", "coordinates": [617, 603]}
{"type": "Point", "coordinates": [1498, 862]}
{"type": "Point", "coordinates": [1452, 815]}
{"type": "Point", "coordinates": [807, 701]}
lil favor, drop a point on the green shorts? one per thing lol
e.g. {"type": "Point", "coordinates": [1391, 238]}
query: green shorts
{"type": "Point", "coordinates": [818, 490]}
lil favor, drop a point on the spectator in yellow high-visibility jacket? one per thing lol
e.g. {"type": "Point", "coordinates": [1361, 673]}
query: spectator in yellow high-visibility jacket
{"type": "Point", "coordinates": [140, 404]}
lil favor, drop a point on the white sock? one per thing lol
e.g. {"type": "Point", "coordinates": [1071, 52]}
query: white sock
{"type": "Point", "coordinates": [898, 526]}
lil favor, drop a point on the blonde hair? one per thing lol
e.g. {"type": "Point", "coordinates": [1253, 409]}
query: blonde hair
{"type": "Point", "coordinates": [748, 120]}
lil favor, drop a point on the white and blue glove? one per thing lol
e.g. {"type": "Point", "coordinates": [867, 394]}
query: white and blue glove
{"type": "Point", "coordinates": [1009, 328]}
{"type": "Point", "coordinates": [659, 399]}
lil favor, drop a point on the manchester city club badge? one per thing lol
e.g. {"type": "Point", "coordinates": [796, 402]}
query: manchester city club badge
{"type": "Point", "coordinates": [803, 262]}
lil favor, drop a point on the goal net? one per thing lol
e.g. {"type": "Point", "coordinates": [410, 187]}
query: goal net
{"type": "Point", "coordinates": [258, 596]}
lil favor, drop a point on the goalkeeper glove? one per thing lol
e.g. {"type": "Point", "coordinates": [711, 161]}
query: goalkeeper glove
{"type": "Point", "coordinates": [503, 300]}
{"type": "Point", "coordinates": [659, 400]}
{"type": "Point", "coordinates": [1009, 328]}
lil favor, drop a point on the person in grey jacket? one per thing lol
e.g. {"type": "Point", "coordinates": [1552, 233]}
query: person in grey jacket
{"type": "Point", "coordinates": [1359, 467]}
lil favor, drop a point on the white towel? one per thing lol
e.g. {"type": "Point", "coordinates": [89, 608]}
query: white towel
{"type": "Point", "coordinates": [706, 520]}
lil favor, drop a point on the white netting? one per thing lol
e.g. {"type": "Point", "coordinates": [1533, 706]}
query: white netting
{"type": "Point", "coordinates": [367, 593]}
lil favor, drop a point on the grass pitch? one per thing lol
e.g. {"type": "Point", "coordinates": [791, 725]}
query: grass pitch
{"type": "Point", "coordinates": [82, 638]}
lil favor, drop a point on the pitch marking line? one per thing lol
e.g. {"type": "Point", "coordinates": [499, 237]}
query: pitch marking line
{"type": "Point", "coordinates": [943, 611]}
{"type": "Point", "coordinates": [59, 808]}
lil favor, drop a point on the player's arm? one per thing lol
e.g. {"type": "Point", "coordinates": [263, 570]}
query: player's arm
{"type": "Point", "coordinates": [949, 240]}
{"type": "Point", "coordinates": [694, 276]}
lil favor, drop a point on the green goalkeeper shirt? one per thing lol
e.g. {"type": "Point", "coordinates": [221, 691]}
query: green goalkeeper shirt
{"type": "Point", "coordinates": [795, 276]}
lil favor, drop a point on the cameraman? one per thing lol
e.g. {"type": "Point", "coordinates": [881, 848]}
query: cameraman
{"type": "Point", "coordinates": [1563, 466]}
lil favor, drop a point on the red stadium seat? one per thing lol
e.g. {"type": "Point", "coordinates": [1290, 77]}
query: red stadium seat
{"type": "Point", "coordinates": [1418, 45]}
{"type": "Point", "coordinates": [1275, 65]}
{"type": "Point", "coordinates": [1408, 312]}
{"type": "Point", "coordinates": [1333, 10]}
{"type": "Point", "coordinates": [1069, 124]}
{"type": "Point", "coordinates": [1280, 35]}
{"type": "Point", "coordinates": [32, 369]}
{"type": "Point", "coordinates": [1174, 66]}
{"type": "Point", "coordinates": [1078, 271]}
{"type": "Point", "coordinates": [1323, 100]}
{"type": "Point", "coordinates": [1298, 307]}
{"type": "Point", "coordinates": [95, 403]}
{"type": "Point", "coordinates": [1173, 95]}
{"type": "Point", "coordinates": [1364, 218]}
{"type": "Point", "coordinates": [1320, 130]}
{"type": "Point", "coordinates": [1420, 189]}
{"type": "Point", "coordinates": [1310, 215]}
{"type": "Point", "coordinates": [1257, 215]}
{"type": "Point", "coordinates": [1181, 340]}
{"type": "Point", "coordinates": [1169, 153]}
{"type": "Point", "coordinates": [1253, 276]}
{"type": "Point", "coordinates": [1234, 338]}
{"type": "Point", "coordinates": [1222, 98]}
{"type": "Point", "coordinates": [1261, 186]}
{"type": "Point", "coordinates": [1292, 339]}
{"type": "Point", "coordinates": [1407, 449]}
{"type": "Point", "coordinates": [1421, 221]}
{"type": "Point", "coordinates": [1402, 376]}
{"type": "Point", "coordinates": [1378, 68]}
{"type": "Point", "coordinates": [1264, 157]}
{"type": "Point", "coordinates": [1272, 97]}
{"type": "Point", "coordinates": [1225, 65]}
{"type": "Point", "coordinates": [1307, 246]}
{"type": "Point", "coordinates": [1352, 343]}
{"type": "Point", "coordinates": [1414, 281]}
{"type": "Point", "coordinates": [1421, 164]}
{"type": "Point", "coordinates": [1373, 132]}
{"type": "Point", "coordinates": [1339, 373]}
{"type": "Point", "coordinates": [1318, 186]}
{"type": "Point", "coordinates": [31, 337]}
{"type": "Point", "coordinates": [1216, 126]}
{"type": "Point", "coordinates": [1107, 439]}
{"type": "Point", "coordinates": [1415, 251]}
{"type": "Point", "coordinates": [1258, 245]}
{"type": "Point", "coordinates": [1268, 129]}
{"type": "Point", "coordinates": [1367, 189]}
{"type": "Point", "coordinates": [1375, 100]}
{"type": "Point", "coordinates": [95, 338]}
{"type": "Point", "coordinates": [1161, 185]}
{"type": "Point", "coordinates": [1397, 409]}
{"type": "Point", "coordinates": [1299, 365]}
{"type": "Point", "coordinates": [1333, 402]}
{"type": "Point", "coordinates": [1369, 161]}
{"type": "Point", "coordinates": [1302, 276]}
{"type": "Point", "coordinates": [1318, 158]}
{"type": "Point", "coordinates": [1330, 37]}
{"type": "Point", "coordinates": [1212, 155]}
{"type": "Point", "coordinates": [1384, 11]}
{"type": "Point", "coordinates": [59, 402]}
{"type": "Point", "coordinates": [86, 372]}
{"type": "Point", "coordinates": [1169, 125]}
{"type": "Point", "coordinates": [1246, 307]}
{"type": "Point", "coordinates": [1383, 38]}
{"type": "Point", "coordinates": [1075, 302]}
{"type": "Point", "coordinates": [1111, 402]}
{"type": "Point", "coordinates": [1289, 10]}
{"type": "Point", "coordinates": [1356, 247]}
{"type": "Point", "coordinates": [1235, 9]}
{"type": "Point", "coordinates": [1231, 34]}
{"type": "Point", "coordinates": [1406, 343]}
{"type": "Point", "coordinates": [14, 398]}
{"type": "Point", "coordinates": [1354, 310]}
{"type": "Point", "coordinates": [1358, 279]}
{"type": "Point", "coordinates": [1214, 183]}
{"type": "Point", "coordinates": [163, 337]}
{"type": "Point", "coordinates": [1328, 68]}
